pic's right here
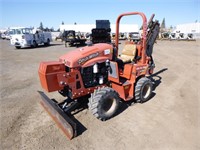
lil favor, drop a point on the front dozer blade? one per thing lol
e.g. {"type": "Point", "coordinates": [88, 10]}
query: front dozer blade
{"type": "Point", "coordinates": [62, 119]}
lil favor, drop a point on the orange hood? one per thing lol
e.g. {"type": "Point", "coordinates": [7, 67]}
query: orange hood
{"type": "Point", "coordinates": [88, 55]}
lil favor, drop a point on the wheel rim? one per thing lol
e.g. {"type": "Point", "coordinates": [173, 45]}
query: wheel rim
{"type": "Point", "coordinates": [109, 106]}
{"type": "Point", "coordinates": [146, 91]}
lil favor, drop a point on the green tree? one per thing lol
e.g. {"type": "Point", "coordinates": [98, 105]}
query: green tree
{"type": "Point", "coordinates": [47, 29]}
{"type": "Point", "coordinates": [52, 29]}
{"type": "Point", "coordinates": [163, 24]}
{"type": "Point", "coordinates": [41, 26]}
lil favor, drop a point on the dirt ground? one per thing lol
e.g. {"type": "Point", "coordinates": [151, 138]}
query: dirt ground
{"type": "Point", "coordinates": [170, 120]}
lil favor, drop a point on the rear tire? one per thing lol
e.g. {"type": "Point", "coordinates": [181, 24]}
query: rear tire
{"type": "Point", "coordinates": [143, 90]}
{"type": "Point", "coordinates": [104, 103]}
{"type": "Point", "coordinates": [47, 43]}
{"type": "Point", "coordinates": [34, 44]}
{"type": "Point", "coordinates": [17, 47]}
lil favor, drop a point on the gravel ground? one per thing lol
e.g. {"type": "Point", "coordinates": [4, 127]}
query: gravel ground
{"type": "Point", "coordinates": [168, 121]}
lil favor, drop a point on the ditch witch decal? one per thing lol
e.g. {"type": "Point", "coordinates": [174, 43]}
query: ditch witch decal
{"type": "Point", "coordinates": [84, 59]}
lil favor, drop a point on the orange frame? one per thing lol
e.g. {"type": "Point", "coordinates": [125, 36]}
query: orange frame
{"type": "Point", "coordinates": [131, 70]}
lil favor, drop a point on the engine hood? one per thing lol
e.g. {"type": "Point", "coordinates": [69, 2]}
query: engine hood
{"type": "Point", "coordinates": [88, 55]}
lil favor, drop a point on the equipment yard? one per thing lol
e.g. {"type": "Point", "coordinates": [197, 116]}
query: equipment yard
{"type": "Point", "coordinates": [168, 121]}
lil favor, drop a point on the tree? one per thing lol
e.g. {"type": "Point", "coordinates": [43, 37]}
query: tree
{"type": "Point", "coordinates": [163, 24]}
{"type": "Point", "coordinates": [46, 29]}
{"type": "Point", "coordinates": [52, 29]}
{"type": "Point", "coordinates": [41, 26]}
{"type": "Point", "coordinates": [63, 23]}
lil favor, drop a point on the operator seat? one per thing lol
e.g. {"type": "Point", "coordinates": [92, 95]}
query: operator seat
{"type": "Point", "coordinates": [128, 53]}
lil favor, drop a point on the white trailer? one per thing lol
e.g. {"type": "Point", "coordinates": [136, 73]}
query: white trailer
{"type": "Point", "coordinates": [29, 37]}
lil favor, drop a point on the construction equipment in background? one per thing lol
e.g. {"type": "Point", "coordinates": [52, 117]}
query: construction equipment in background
{"type": "Point", "coordinates": [122, 36]}
{"type": "Point", "coordinates": [181, 36]}
{"type": "Point", "coordinates": [190, 37]}
{"type": "Point", "coordinates": [97, 72]}
{"type": "Point", "coordinates": [72, 39]}
{"type": "Point", "coordinates": [173, 36]}
{"type": "Point", "coordinates": [164, 36]}
{"type": "Point", "coordinates": [101, 34]}
{"type": "Point", "coordinates": [186, 37]}
{"type": "Point", "coordinates": [134, 36]}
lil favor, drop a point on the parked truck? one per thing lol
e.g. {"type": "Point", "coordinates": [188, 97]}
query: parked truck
{"type": "Point", "coordinates": [72, 38]}
{"type": "Point", "coordinates": [29, 37]}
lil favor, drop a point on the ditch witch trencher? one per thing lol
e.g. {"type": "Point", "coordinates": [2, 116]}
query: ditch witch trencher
{"type": "Point", "coordinates": [96, 71]}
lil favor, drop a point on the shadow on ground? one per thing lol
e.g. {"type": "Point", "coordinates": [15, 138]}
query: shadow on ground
{"type": "Point", "coordinates": [79, 128]}
{"type": "Point", "coordinates": [156, 79]}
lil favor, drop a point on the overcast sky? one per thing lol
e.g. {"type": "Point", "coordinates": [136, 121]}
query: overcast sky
{"type": "Point", "coordinates": [52, 12]}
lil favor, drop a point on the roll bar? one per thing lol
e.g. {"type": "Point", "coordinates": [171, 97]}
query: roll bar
{"type": "Point", "coordinates": [144, 28]}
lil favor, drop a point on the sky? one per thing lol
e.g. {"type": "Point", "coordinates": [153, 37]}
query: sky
{"type": "Point", "coordinates": [51, 13]}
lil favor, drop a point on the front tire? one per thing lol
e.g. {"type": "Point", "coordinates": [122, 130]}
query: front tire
{"type": "Point", "coordinates": [34, 44]}
{"type": "Point", "coordinates": [143, 90]}
{"type": "Point", "coordinates": [104, 103]}
{"type": "Point", "coordinates": [17, 47]}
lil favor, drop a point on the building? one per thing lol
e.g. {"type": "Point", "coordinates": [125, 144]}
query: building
{"type": "Point", "coordinates": [3, 30]}
{"type": "Point", "coordinates": [88, 27]}
{"type": "Point", "coordinates": [193, 28]}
